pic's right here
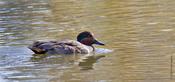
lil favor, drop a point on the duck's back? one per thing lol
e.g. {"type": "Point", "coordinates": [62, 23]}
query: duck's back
{"type": "Point", "coordinates": [63, 47]}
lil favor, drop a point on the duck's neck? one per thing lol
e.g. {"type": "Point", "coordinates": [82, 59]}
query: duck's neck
{"type": "Point", "coordinates": [90, 48]}
{"type": "Point", "coordinates": [93, 48]}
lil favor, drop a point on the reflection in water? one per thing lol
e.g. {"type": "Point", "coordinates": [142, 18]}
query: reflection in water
{"type": "Point", "coordinates": [54, 59]}
{"type": "Point", "coordinates": [88, 61]}
{"type": "Point", "coordinates": [38, 57]}
{"type": "Point", "coordinates": [85, 62]}
{"type": "Point", "coordinates": [140, 33]}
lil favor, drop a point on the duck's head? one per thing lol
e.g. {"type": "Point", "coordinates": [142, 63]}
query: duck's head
{"type": "Point", "coordinates": [88, 39]}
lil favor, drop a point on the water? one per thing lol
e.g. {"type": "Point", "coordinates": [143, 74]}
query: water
{"type": "Point", "coordinates": [140, 34]}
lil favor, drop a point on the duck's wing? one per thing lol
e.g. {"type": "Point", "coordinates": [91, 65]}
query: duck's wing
{"type": "Point", "coordinates": [39, 47]}
{"type": "Point", "coordinates": [68, 47]}
{"type": "Point", "coordinates": [53, 47]}
{"type": "Point", "coordinates": [71, 47]}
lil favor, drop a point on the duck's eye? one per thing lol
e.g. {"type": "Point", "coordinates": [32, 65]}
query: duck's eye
{"type": "Point", "coordinates": [90, 36]}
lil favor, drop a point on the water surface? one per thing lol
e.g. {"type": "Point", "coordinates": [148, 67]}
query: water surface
{"type": "Point", "coordinates": [140, 33]}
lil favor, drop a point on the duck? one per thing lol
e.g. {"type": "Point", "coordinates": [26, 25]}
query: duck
{"type": "Point", "coordinates": [83, 45]}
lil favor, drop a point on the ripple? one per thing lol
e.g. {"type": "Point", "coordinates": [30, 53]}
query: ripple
{"type": "Point", "coordinates": [2, 30]}
{"type": "Point", "coordinates": [166, 30]}
{"type": "Point", "coordinates": [2, 2]}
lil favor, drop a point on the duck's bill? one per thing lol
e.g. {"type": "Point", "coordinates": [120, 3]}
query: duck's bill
{"type": "Point", "coordinates": [98, 43]}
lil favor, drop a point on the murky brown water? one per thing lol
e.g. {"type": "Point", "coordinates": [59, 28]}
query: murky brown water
{"type": "Point", "coordinates": [140, 33]}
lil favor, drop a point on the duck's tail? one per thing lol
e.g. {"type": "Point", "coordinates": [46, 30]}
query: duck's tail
{"type": "Point", "coordinates": [35, 48]}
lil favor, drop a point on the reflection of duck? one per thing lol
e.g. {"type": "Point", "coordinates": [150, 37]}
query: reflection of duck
{"type": "Point", "coordinates": [87, 62]}
{"type": "Point", "coordinates": [83, 45]}
{"type": "Point", "coordinates": [84, 62]}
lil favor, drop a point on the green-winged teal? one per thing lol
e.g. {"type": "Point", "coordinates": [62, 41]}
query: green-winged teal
{"type": "Point", "coordinates": [83, 45]}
